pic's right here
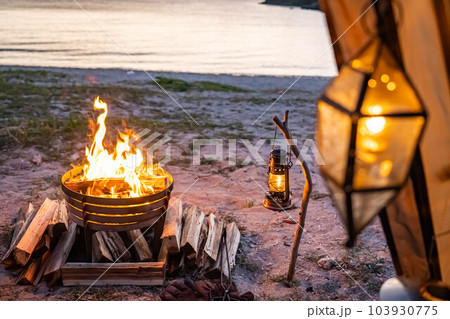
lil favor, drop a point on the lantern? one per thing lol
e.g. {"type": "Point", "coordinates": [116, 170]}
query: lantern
{"type": "Point", "coordinates": [279, 195]}
{"type": "Point", "coordinates": [370, 120]}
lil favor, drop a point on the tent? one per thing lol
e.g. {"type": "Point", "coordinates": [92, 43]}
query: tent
{"type": "Point", "coordinates": [417, 222]}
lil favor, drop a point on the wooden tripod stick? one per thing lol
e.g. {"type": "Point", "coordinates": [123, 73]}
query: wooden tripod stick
{"type": "Point", "coordinates": [283, 126]}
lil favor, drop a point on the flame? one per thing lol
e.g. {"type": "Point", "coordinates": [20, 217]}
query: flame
{"type": "Point", "coordinates": [122, 172]}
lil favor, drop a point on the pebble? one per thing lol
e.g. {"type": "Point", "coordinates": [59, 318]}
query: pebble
{"type": "Point", "coordinates": [326, 263]}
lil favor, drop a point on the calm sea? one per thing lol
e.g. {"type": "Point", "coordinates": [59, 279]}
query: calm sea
{"type": "Point", "coordinates": [204, 36]}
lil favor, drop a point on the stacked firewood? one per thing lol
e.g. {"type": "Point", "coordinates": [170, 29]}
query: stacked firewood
{"type": "Point", "coordinates": [41, 241]}
{"type": "Point", "coordinates": [193, 240]}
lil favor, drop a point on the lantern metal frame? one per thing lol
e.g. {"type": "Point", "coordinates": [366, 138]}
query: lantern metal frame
{"type": "Point", "coordinates": [355, 117]}
{"type": "Point", "coordinates": [278, 201]}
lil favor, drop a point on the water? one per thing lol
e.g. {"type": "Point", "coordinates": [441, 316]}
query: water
{"type": "Point", "coordinates": [204, 36]}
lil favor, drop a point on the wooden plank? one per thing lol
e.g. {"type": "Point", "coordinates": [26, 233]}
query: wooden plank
{"type": "Point", "coordinates": [139, 245]}
{"type": "Point", "coordinates": [59, 255]}
{"type": "Point", "coordinates": [100, 251]}
{"type": "Point", "coordinates": [215, 232]}
{"type": "Point", "coordinates": [8, 259]}
{"type": "Point", "coordinates": [34, 232]}
{"type": "Point", "coordinates": [102, 274]}
{"type": "Point", "coordinates": [172, 229]}
{"type": "Point", "coordinates": [59, 223]}
{"type": "Point", "coordinates": [116, 246]}
{"type": "Point", "coordinates": [191, 230]}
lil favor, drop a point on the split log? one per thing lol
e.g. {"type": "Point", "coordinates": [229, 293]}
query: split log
{"type": "Point", "coordinates": [103, 274]}
{"type": "Point", "coordinates": [100, 251]}
{"type": "Point", "coordinates": [59, 255]}
{"type": "Point", "coordinates": [116, 246]}
{"type": "Point", "coordinates": [59, 223]}
{"type": "Point", "coordinates": [191, 231]}
{"type": "Point", "coordinates": [20, 221]}
{"type": "Point", "coordinates": [201, 257]}
{"type": "Point", "coordinates": [232, 242]}
{"type": "Point", "coordinates": [139, 245]}
{"type": "Point", "coordinates": [42, 247]}
{"type": "Point", "coordinates": [32, 274]}
{"type": "Point", "coordinates": [8, 259]}
{"type": "Point", "coordinates": [215, 232]}
{"type": "Point", "coordinates": [34, 232]}
{"type": "Point", "coordinates": [172, 229]}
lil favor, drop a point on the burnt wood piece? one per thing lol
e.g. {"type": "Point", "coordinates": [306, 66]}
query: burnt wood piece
{"type": "Point", "coordinates": [232, 242]}
{"type": "Point", "coordinates": [116, 246]}
{"type": "Point", "coordinates": [59, 255]}
{"type": "Point", "coordinates": [139, 245]}
{"type": "Point", "coordinates": [34, 232]}
{"type": "Point", "coordinates": [171, 235]}
{"type": "Point", "coordinates": [191, 230]}
{"type": "Point", "coordinates": [42, 246]}
{"type": "Point", "coordinates": [59, 223]}
{"type": "Point", "coordinates": [8, 259]}
{"type": "Point", "coordinates": [213, 241]}
{"type": "Point", "coordinates": [100, 251]}
{"type": "Point", "coordinates": [103, 274]}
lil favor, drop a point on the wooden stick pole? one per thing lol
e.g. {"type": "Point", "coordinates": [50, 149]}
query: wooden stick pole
{"type": "Point", "coordinates": [283, 126]}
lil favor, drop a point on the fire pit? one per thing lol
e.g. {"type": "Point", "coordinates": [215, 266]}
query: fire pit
{"type": "Point", "coordinates": [119, 214]}
{"type": "Point", "coordinates": [116, 190]}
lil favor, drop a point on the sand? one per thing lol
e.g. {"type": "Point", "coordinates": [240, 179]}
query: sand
{"type": "Point", "coordinates": [35, 153]}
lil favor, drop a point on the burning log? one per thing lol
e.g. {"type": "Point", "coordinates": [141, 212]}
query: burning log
{"type": "Point", "coordinates": [191, 230]}
{"type": "Point", "coordinates": [59, 255]}
{"type": "Point", "coordinates": [34, 232]}
{"type": "Point", "coordinates": [139, 245]}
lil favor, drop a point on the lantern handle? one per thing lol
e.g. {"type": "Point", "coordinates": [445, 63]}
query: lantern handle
{"type": "Point", "coordinates": [283, 126]}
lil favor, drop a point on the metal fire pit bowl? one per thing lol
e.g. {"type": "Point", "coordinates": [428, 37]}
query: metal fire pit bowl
{"type": "Point", "coordinates": [117, 214]}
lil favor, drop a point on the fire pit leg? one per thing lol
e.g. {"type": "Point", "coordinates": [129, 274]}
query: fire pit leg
{"type": "Point", "coordinates": [88, 242]}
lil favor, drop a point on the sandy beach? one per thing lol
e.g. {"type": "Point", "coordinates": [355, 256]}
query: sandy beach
{"type": "Point", "coordinates": [44, 129]}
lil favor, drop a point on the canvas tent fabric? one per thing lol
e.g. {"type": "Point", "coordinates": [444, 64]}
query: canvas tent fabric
{"type": "Point", "coordinates": [418, 221]}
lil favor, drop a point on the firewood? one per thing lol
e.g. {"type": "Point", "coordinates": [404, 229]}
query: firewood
{"type": "Point", "coordinates": [172, 229]}
{"type": "Point", "coordinates": [102, 274]}
{"type": "Point", "coordinates": [139, 245]}
{"type": "Point", "coordinates": [29, 274]}
{"type": "Point", "coordinates": [232, 242]}
{"type": "Point", "coordinates": [60, 254]}
{"type": "Point", "coordinates": [8, 259]}
{"type": "Point", "coordinates": [20, 221]}
{"type": "Point", "coordinates": [200, 257]}
{"type": "Point", "coordinates": [100, 251]}
{"type": "Point", "coordinates": [59, 223]}
{"type": "Point", "coordinates": [191, 230]}
{"type": "Point", "coordinates": [215, 232]}
{"type": "Point", "coordinates": [42, 246]}
{"type": "Point", "coordinates": [42, 267]}
{"type": "Point", "coordinates": [116, 246]}
{"type": "Point", "coordinates": [32, 274]}
{"type": "Point", "coordinates": [34, 232]}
